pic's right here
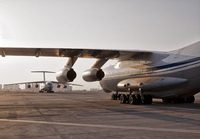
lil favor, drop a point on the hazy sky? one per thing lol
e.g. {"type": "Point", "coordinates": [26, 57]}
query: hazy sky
{"type": "Point", "coordinates": [160, 25]}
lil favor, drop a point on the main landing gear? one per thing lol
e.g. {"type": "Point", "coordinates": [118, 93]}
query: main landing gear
{"type": "Point", "coordinates": [133, 99]}
{"type": "Point", "coordinates": [42, 91]}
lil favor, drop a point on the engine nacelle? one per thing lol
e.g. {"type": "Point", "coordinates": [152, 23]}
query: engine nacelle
{"type": "Point", "coordinates": [29, 86]}
{"type": "Point", "coordinates": [66, 75]}
{"type": "Point", "coordinates": [91, 75]}
{"type": "Point", "coordinates": [36, 86]}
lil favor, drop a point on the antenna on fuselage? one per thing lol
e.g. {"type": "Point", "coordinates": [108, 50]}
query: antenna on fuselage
{"type": "Point", "coordinates": [43, 73]}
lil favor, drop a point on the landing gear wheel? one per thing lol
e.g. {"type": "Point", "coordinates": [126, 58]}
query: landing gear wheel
{"type": "Point", "coordinates": [147, 99]}
{"type": "Point", "coordinates": [118, 96]}
{"type": "Point", "coordinates": [127, 99]}
{"type": "Point", "coordinates": [189, 99]}
{"type": "Point", "coordinates": [114, 97]}
{"type": "Point", "coordinates": [123, 99]}
{"type": "Point", "coordinates": [134, 99]}
{"type": "Point", "coordinates": [178, 100]}
{"type": "Point", "coordinates": [131, 99]}
{"type": "Point", "coordinates": [138, 99]}
{"type": "Point", "coordinates": [50, 91]}
{"type": "Point", "coordinates": [167, 100]}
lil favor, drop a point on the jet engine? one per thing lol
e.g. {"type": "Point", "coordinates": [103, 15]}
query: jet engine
{"type": "Point", "coordinates": [58, 86]}
{"type": "Point", "coordinates": [91, 75]}
{"type": "Point", "coordinates": [29, 86]}
{"type": "Point", "coordinates": [36, 86]}
{"type": "Point", "coordinates": [66, 75]}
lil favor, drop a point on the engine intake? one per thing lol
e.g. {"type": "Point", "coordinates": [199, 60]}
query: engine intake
{"type": "Point", "coordinates": [91, 75]}
{"type": "Point", "coordinates": [66, 75]}
{"type": "Point", "coordinates": [36, 86]}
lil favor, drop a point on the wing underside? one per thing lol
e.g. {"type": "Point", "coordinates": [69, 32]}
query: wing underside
{"type": "Point", "coordinates": [39, 82]}
{"type": "Point", "coordinates": [119, 55]}
{"type": "Point", "coordinates": [36, 82]}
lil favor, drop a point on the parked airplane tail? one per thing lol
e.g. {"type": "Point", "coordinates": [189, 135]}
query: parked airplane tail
{"type": "Point", "coordinates": [43, 73]}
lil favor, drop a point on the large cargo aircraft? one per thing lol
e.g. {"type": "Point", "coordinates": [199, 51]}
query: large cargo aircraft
{"type": "Point", "coordinates": [171, 76]}
{"type": "Point", "coordinates": [47, 85]}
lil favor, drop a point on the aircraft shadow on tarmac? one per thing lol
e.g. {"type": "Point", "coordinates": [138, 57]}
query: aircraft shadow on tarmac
{"type": "Point", "coordinates": [178, 105]}
{"type": "Point", "coordinates": [158, 113]}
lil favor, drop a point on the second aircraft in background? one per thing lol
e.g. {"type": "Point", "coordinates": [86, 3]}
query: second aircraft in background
{"type": "Point", "coordinates": [47, 85]}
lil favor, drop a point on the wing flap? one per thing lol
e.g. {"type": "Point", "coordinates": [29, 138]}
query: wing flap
{"type": "Point", "coordinates": [29, 52]}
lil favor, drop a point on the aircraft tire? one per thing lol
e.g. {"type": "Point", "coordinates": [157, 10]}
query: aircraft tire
{"type": "Point", "coordinates": [131, 99]}
{"type": "Point", "coordinates": [113, 97]}
{"type": "Point", "coordinates": [118, 96]}
{"type": "Point", "coordinates": [189, 99]}
{"type": "Point", "coordinates": [134, 99]}
{"type": "Point", "coordinates": [147, 99]}
{"type": "Point", "coordinates": [178, 100]}
{"type": "Point", "coordinates": [127, 99]}
{"type": "Point", "coordinates": [138, 99]}
{"type": "Point", "coordinates": [123, 99]}
{"type": "Point", "coordinates": [167, 100]}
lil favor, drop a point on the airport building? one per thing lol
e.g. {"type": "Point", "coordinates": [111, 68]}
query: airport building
{"type": "Point", "coordinates": [12, 87]}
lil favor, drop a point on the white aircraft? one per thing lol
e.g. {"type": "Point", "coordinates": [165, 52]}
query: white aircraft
{"type": "Point", "coordinates": [47, 85]}
{"type": "Point", "coordinates": [171, 76]}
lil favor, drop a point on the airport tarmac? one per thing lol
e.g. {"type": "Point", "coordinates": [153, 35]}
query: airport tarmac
{"type": "Point", "coordinates": [93, 115]}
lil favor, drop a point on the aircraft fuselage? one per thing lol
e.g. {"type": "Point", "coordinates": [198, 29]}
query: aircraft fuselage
{"type": "Point", "coordinates": [179, 69]}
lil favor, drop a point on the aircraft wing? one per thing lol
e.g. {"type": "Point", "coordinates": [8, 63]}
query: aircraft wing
{"type": "Point", "coordinates": [45, 82]}
{"type": "Point", "coordinates": [119, 55]}
{"type": "Point", "coordinates": [26, 83]}
{"type": "Point", "coordinates": [66, 83]}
